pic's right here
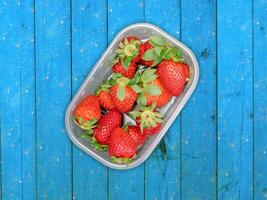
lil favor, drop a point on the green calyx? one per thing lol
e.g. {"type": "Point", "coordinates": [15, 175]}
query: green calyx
{"type": "Point", "coordinates": [97, 146]}
{"type": "Point", "coordinates": [161, 51]}
{"type": "Point", "coordinates": [127, 51]}
{"type": "Point", "coordinates": [126, 161]}
{"type": "Point", "coordinates": [104, 87]}
{"type": "Point", "coordinates": [88, 125]}
{"type": "Point", "coordinates": [122, 82]}
{"type": "Point", "coordinates": [148, 116]}
{"type": "Point", "coordinates": [146, 86]}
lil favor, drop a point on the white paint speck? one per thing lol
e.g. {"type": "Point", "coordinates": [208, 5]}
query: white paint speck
{"type": "Point", "coordinates": [40, 147]}
{"type": "Point", "coordinates": [47, 77]}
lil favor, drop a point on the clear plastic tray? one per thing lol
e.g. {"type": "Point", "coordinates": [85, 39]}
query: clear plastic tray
{"type": "Point", "coordinates": [102, 71]}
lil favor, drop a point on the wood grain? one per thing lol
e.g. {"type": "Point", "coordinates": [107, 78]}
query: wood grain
{"type": "Point", "coordinates": [235, 100]}
{"type": "Point", "coordinates": [89, 40]}
{"type": "Point", "coordinates": [53, 92]}
{"type": "Point", "coordinates": [198, 144]}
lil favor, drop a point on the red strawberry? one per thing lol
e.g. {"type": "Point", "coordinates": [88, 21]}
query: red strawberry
{"type": "Point", "coordinates": [161, 99]}
{"type": "Point", "coordinates": [136, 135]}
{"type": "Point", "coordinates": [104, 97]}
{"type": "Point", "coordinates": [128, 55]}
{"type": "Point", "coordinates": [148, 119]}
{"type": "Point", "coordinates": [142, 49]}
{"type": "Point", "coordinates": [121, 146]}
{"type": "Point", "coordinates": [125, 71]}
{"type": "Point", "coordinates": [87, 113]}
{"type": "Point", "coordinates": [126, 103]}
{"type": "Point", "coordinates": [152, 130]}
{"type": "Point", "coordinates": [153, 90]}
{"type": "Point", "coordinates": [106, 124]}
{"type": "Point", "coordinates": [122, 94]}
{"type": "Point", "coordinates": [173, 76]}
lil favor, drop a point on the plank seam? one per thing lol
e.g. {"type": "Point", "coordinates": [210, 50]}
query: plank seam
{"type": "Point", "coordinates": [1, 191]}
{"type": "Point", "coordinates": [21, 135]}
{"type": "Point", "coordinates": [253, 105]}
{"type": "Point", "coordinates": [35, 107]}
{"type": "Point", "coordinates": [180, 149]}
{"type": "Point", "coordinates": [216, 134]}
{"type": "Point", "coordinates": [71, 92]}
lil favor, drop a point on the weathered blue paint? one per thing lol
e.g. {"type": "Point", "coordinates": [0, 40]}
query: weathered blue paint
{"type": "Point", "coordinates": [90, 26]}
{"type": "Point", "coordinates": [235, 100]}
{"type": "Point", "coordinates": [260, 99]}
{"type": "Point", "coordinates": [53, 92]}
{"type": "Point", "coordinates": [198, 145]}
{"type": "Point", "coordinates": [163, 167]}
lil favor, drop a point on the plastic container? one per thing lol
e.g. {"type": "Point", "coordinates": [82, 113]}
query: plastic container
{"type": "Point", "coordinates": [102, 71]}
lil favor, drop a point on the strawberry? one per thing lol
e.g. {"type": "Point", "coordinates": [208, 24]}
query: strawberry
{"type": "Point", "coordinates": [157, 50]}
{"type": "Point", "coordinates": [122, 147]}
{"type": "Point", "coordinates": [127, 72]}
{"type": "Point", "coordinates": [152, 89]}
{"type": "Point", "coordinates": [128, 55]}
{"type": "Point", "coordinates": [142, 49]}
{"type": "Point", "coordinates": [87, 113]}
{"type": "Point", "coordinates": [122, 94]}
{"type": "Point", "coordinates": [106, 124]}
{"type": "Point", "coordinates": [173, 76]}
{"type": "Point", "coordinates": [148, 119]}
{"type": "Point", "coordinates": [104, 96]}
{"type": "Point", "coordinates": [137, 136]}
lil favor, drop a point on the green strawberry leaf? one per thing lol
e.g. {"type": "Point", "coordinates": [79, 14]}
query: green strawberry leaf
{"type": "Point", "coordinates": [142, 99]}
{"type": "Point", "coordinates": [158, 50]}
{"type": "Point", "coordinates": [97, 146]}
{"type": "Point", "coordinates": [134, 114]}
{"type": "Point", "coordinates": [85, 136]}
{"type": "Point", "coordinates": [152, 89]}
{"type": "Point", "coordinates": [126, 161]}
{"type": "Point", "coordinates": [149, 55]}
{"type": "Point", "coordinates": [148, 75]}
{"type": "Point", "coordinates": [135, 80]}
{"type": "Point", "coordinates": [159, 41]}
{"type": "Point", "coordinates": [157, 60]}
{"type": "Point", "coordinates": [121, 93]}
{"type": "Point", "coordinates": [136, 88]}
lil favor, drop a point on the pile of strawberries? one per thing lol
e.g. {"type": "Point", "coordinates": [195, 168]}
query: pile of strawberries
{"type": "Point", "coordinates": [144, 79]}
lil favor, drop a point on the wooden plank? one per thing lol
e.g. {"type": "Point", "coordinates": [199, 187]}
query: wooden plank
{"type": "Point", "coordinates": [198, 145]}
{"type": "Point", "coordinates": [89, 39]}
{"type": "Point", "coordinates": [260, 99]}
{"type": "Point", "coordinates": [235, 95]}
{"type": "Point", "coordinates": [17, 100]}
{"type": "Point", "coordinates": [162, 169]}
{"type": "Point", "coordinates": [127, 184]}
{"type": "Point", "coordinates": [53, 92]}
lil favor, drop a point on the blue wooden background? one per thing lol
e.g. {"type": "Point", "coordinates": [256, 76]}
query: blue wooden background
{"type": "Point", "coordinates": [216, 148]}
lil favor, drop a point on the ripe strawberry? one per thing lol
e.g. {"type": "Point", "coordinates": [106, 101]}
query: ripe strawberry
{"type": "Point", "coordinates": [104, 97]}
{"type": "Point", "coordinates": [142, 49]}
{"type": "Point", "coordinates": [161, 99]}
{"type": "Point", "coordinates": [128, 55]}
{"type": "Point", "coordinates": [122, 94]}
{"type": "Point", "coordinates": [87, 113]}
{"type": "Point", "coordinates": [122, 147]}
{"type": "Point", "coordinates": [128, 72]}
{"type": "Point", "coordinates": [106, 124]}
{"type": "Point", "coordinates": [148, 119]}
{"type": "Point", "coordinates": [136, 135]}
{"type": "Point", "coordinates": [153, 90]}
{"type": "Point", "coordinates": [173, 76]}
